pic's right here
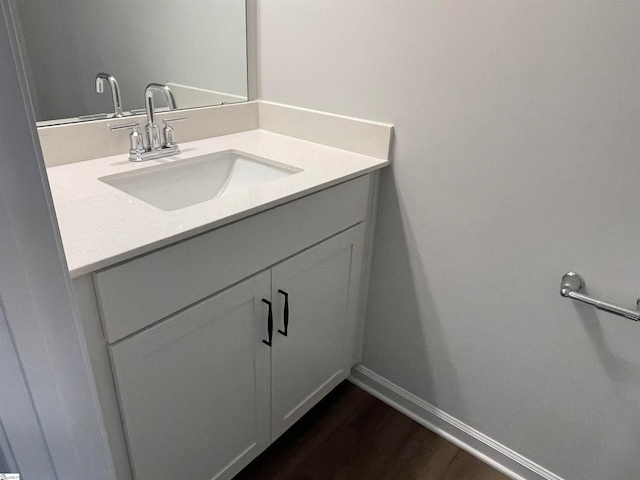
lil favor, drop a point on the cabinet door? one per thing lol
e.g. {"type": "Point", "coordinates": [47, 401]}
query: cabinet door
{"type": "Point", "coordinates": [321, 286]}
{"type": "Point", "coordinates": [194, 389]}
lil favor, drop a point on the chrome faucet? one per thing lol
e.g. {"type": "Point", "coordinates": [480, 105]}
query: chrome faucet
{"type": "Point", "coordinates": [154, 141]}
{"type": "Point", "coordinates": [115, 91]}
{"type": "Point", "coordinates": [155, 144]}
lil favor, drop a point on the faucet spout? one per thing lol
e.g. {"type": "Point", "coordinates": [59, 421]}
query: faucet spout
{"type": "Point", "coordinates": [115, 90]}
{"type": "Point", "coordinates": [154, 142]}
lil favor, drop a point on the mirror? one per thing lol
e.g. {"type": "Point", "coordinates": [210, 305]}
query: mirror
{"type": "Point", "coordinates": [196, 47]}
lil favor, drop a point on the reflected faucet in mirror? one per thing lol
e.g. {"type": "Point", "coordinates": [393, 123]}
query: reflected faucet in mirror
{"type": "Point", "coordinates": [65, 43]}
{"type": "Point", "coordinates": [115, 91]}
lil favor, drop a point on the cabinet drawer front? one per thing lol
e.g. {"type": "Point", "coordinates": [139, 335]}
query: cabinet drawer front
{"type": "Point", "coordinates": [146, 289]}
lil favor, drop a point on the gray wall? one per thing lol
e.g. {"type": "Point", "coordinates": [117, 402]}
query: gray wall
{"type": "Point", "coordinates": [201, 43]}
{"type": "Point", "coordinates": [516, 159]}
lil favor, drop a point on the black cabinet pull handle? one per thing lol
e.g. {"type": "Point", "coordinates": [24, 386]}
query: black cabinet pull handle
{"type": "Point", "coordinates": [269, 323]}
{"type": "Point", "coordinates": [286, 313]}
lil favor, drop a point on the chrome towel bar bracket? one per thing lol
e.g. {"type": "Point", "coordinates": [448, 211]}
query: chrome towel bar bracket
{"type": "Point", "coordinates": [571, 285]}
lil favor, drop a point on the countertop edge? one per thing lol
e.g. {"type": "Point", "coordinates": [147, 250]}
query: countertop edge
{"type": "Point", "coordinates": [206, 227]}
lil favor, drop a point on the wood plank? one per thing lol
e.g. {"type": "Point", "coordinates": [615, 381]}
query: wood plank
{"type": "Point", "coordinates": [352, 435]}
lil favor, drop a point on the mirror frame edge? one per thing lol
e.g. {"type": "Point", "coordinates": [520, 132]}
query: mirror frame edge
{"type": "Point", "coordinates": [251, 25]}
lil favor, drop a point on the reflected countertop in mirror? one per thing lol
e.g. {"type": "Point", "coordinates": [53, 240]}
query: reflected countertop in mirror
{"type": "Point", "coordinates": [198, 48]}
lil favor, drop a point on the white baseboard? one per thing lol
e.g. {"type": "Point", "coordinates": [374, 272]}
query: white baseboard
{"type": "Point", "coordinates": [467, 438]}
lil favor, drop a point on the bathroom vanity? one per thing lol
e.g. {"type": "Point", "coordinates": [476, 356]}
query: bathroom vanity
{"type": "Point", "coordinates": [212, 328]}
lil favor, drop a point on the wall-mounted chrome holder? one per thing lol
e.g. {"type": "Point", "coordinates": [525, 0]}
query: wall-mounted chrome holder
{"type": "Point", "coordinates": [571, 285]}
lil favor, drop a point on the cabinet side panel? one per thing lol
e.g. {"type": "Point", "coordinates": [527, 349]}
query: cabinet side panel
{"type": "Point", "coordinates": [101, 367]}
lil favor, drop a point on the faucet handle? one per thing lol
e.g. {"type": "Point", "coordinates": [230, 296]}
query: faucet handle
{"type": "Point", "coordinates": [122, 127]}
{"type": "Point", "coordinates": [136, 143]}
{"type": "Point", "coordinates": [166, 121]}
{"type": "Point", "coordinates": [167, 131]}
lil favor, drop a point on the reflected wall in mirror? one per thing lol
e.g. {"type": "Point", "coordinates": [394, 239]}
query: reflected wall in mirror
{"type": "Point", "coordinates": [197, 47]}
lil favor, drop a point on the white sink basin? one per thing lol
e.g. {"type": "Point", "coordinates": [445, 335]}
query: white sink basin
{"type": "Point", "coordinates": [195, 180]}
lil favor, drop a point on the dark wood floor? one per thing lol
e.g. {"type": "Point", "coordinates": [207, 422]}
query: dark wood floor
{"type": "Point", "coordinates": [352, 435]}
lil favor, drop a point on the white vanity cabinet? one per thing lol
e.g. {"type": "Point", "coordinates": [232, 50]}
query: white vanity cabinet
{"type": "Point", "coordinates": [195, 387]}
{"type": "Point", "coordinates": [197, 390]}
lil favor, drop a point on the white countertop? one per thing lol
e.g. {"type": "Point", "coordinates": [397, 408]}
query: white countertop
{"type": "Point", "coordinates": [101, 226]}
